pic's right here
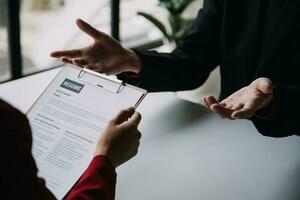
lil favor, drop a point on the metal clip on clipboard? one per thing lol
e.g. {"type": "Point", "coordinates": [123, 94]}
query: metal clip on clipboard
{"type": "Point", "coordinates": [105, 82]}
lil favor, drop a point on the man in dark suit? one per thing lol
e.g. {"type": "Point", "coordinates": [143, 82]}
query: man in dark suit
{"type": "Point", "coordinates": [255, 42]}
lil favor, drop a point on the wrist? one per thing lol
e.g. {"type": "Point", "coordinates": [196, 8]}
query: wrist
{"type": "Point", "coordinates": [134, 62]}
{"type": "Point", "coordinates": [269, 102]}
{"type": "Point", "coordinates": [270, 109]}
{"type": "Point", "coordinates": [104, 150]}
{"type": "Point", "coordinates": [103, 157]}
{"type": "Point", "coordinates": [106, 155]}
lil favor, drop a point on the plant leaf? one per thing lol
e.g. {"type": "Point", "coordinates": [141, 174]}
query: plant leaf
{"type": "Point", "coordinates": [182, 5]}
{"type": "Point", "coordinates": [168, 4]}
{"type": "Point", "coordinates": [156, 23]}
{"type": "Point", "coordinates": [185, 27]}
{"type": "Point", "coordinates": [175, 7]}
{"type": "Point", "coordinates": [174, 22]}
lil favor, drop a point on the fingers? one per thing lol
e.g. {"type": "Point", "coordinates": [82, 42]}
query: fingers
{"type": "Point", "coordinates": [134, 147]}
{"type": "Point", "coordinates": [216, 107]}
{"type": "Point", "coordinates": [66, 60]}
{"type": "Point", "coordinates": [123, 116]}
{"type": "Point", "coordinates": [135, 142]}
{"type": "Point", "coordinates": [243, 113]}
{"type": "Point", "coordinates": [134, 136]}
{"type": "Point", "coordinates": [222, 109]}
{"type": "Point", "coordinates": [70, 57]}
{"type": "Point", "coordinates": [69, 54]}
{"type": "Point", "coordinates": [224, 112]}
{"type": "Point", "coordinates": [80, 61]}
{"type": "Point", "coordinates": [209, 100]}
{"type": "Point", "coordinates": [244, 102]}
{"type": "Point", "coordinates": [139, 135]}
{"type": "Point", "coordinates": [246, 111]}
{"type": "Point", "coordinates": [241, 104]}
{"type": "Point", "coordinates": [237, 107]}
{"type": "Point", "coordinates": [91, 31]}
{"type": "Point", "coordinates": [135, 119]}
{"type": "Point", "coordinates": [134, 150]}
{"type": "Point", "coordinates": [133, 122]}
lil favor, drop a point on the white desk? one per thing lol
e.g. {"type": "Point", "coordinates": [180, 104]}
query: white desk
{"type": "Point", "coordinates": [187, 153]}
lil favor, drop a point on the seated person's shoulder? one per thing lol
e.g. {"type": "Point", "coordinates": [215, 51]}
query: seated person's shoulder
{"type": "Point", "coordinates": [14, 124]}
{"type": "Point", "coordinates": [8, 112]}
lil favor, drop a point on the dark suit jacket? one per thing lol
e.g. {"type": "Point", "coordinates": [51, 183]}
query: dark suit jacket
{"type": "Point", "coordinates": [247, 44]}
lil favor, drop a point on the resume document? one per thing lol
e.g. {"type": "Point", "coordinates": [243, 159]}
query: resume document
{"type": "Point", "coordinates": [67, 121]}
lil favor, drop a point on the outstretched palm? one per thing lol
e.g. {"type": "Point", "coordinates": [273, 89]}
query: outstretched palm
{"type": "Point", "coordinates": [105, 55]}
{"type": "Point", "coordinates": [245, 102]}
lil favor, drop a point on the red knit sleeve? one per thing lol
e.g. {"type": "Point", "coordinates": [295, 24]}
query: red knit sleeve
{"type": "Point", "coordinates": [97, 182]}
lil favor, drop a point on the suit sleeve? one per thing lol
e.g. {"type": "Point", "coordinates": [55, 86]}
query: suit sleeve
{"type": "Point", "coordinates": [98, 182]}
{"type": "Point", "coordinates": [189, 65]}
{"type": "Point", "coordinates": [287, 121]}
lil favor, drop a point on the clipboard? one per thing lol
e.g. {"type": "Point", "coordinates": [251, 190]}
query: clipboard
{"type": "Point", "coordinates": [86, 76]}
{"type": "Point", "coordinates": [84, 72]}
{"type": "Point", "coordinates": [67, 121]}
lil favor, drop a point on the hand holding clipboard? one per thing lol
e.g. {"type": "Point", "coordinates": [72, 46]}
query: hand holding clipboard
{"type": "Point", "coordinates": [68, 120]}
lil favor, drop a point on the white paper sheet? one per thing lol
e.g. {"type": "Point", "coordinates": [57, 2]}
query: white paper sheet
{"type": "Point", "coordinates": [67, 121]}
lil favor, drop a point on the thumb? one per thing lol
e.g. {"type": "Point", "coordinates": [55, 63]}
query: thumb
{"type": "Point", "coordinates": [91, 31]}
{"type": "Point", "coordinates": [264, 85]}
{"type": "Point", "coordinates": [123, 115]}
{"type": "Point", "coordinates": [134, 120]}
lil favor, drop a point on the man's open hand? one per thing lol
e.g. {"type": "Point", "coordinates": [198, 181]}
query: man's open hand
{"type": "Point", "coordinates": [105, 55]}
{"type": "Point", "coordinates": [245, 102]}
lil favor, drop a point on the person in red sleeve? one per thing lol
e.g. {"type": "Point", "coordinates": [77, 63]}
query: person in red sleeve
{"type": "Point", "coordinates": [18, 171]}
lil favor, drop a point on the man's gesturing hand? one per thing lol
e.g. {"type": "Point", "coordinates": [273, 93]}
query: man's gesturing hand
{"type": "Point", "coordinates": [105, 55]}
{"type": "Point", "coordinates": [245, 102]}
{"type": "Point", "coordinates": [121, 138]}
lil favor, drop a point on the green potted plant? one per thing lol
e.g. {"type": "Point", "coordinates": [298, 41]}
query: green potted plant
{"type": "Point", "coordinates": [179, 26]}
